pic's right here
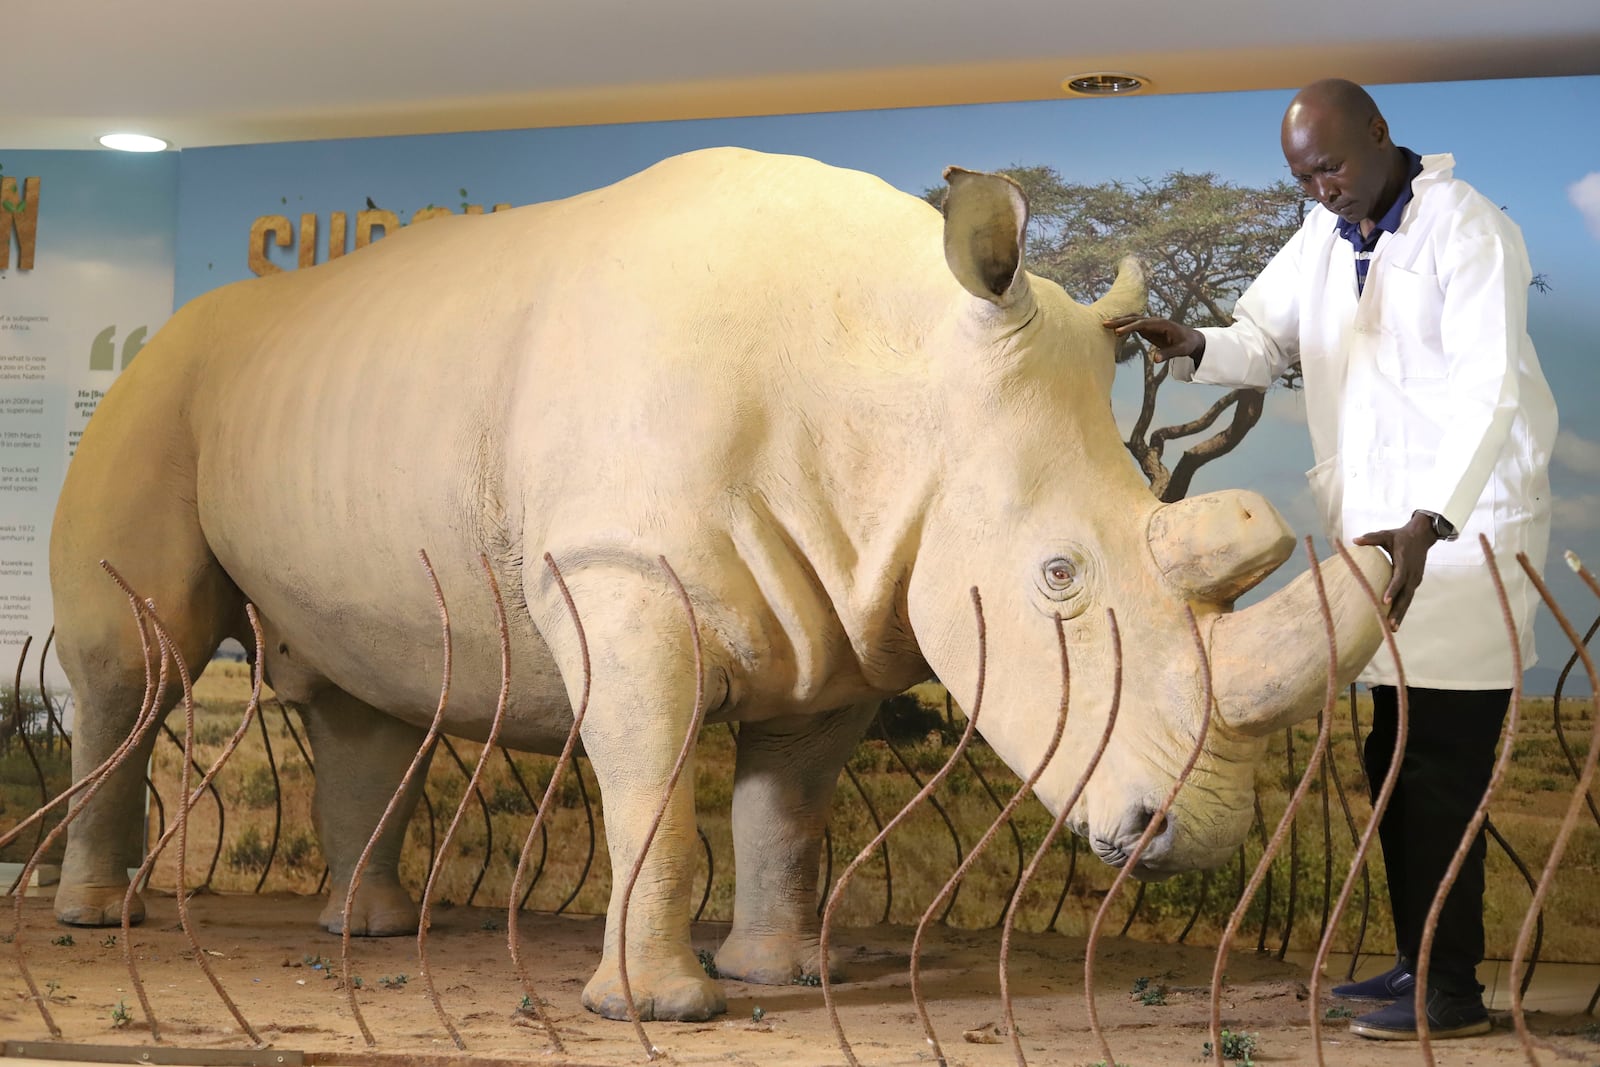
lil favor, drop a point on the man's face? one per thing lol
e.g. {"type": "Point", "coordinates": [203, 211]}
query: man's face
{"type": "Point", "coordinates": [1338, 162]}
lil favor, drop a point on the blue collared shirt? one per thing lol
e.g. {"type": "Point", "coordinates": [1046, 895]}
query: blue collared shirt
{"type": "Point", "coordinates": [1351, 231]}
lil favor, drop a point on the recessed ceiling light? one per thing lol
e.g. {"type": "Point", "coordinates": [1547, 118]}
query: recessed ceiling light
{"type": "Point", "coordinates": [133, 142]}
{"type": "Point", "coordinates": [1104, 83]}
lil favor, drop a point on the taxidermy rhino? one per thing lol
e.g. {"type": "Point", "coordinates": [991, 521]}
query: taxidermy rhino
{"type": "Point", "coordinates": [831, 410]}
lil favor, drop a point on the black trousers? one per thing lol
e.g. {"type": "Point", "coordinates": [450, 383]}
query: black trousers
{"type": "Point", "coordinates": [1448, 759]}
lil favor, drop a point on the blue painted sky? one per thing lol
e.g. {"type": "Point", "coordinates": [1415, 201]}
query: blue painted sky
{"type": "Point", "coordinates": [1528, 144]}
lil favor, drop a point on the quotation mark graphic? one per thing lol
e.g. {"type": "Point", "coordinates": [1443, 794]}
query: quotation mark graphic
{"type": "Point", "coordinates": [103, 353]}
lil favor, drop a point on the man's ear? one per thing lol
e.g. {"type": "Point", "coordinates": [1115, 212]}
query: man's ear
{"type": "Point", "coordinates": [1380, 131]}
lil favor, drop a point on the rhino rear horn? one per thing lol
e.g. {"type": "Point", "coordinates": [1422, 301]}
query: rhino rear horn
{"type": "Point", "coordinates": [985, 236]}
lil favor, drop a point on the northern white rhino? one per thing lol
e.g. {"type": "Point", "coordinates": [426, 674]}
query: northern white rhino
{"type": "Point", "coordinates": [830, 408]}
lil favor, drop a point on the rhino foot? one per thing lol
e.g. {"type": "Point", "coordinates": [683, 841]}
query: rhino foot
{"type": "Point", "coordinates": [96, 905]}
{"type": "Point", "coordinates": [677, 991]}
{"type": "Point", "coordinates": [773, 959]}
{"type": "Point", "coordinates": [381, 909]}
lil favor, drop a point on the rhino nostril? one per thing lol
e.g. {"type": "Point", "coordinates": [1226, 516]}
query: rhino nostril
{"type": "Point", "coordinates": [1160, 826]}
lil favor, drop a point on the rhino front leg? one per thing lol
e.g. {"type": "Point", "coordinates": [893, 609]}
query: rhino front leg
{"type": "Point", "coordinates": [783, 786]}
{"type": "Point", "coordinates": [640, 709]}
{"type": "Point", "coordinates": [362, 754]}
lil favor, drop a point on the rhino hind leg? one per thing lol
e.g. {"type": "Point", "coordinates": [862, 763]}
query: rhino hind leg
{"type": "Point", "coordinates": [102, 655]}
{"type": "Point", "coordinates": [362, 755]}
{"type": "Point", "coordinates": [783, 786]}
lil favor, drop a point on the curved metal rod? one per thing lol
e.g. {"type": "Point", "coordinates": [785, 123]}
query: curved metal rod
{"type": "Point", "coordinates": [1475, 824]}
{"type": "Point", "coordinates": [216, 798]}
{"type": "Point", "coordinates": [1071, 847]}
{"type": "Point", "coordinates": [1015, 904]}
{"type": "Point", "coordinates": [170, 648]}
{"type": "Point", "coordinates": [1266, 896]}
{"type": "Point", "coordinates": [711, 872]}
{"type": "Point", "coordinates": [872, 813]}
{"type": "Point", "coordinates": [149, 712]}
{"type": "Point", "coordinates": [59, 723]}
{"type": "Point", "coordinates": [1379, 805]}
{"type": "Point", "coordinates": [1004, 818]}
{"type": "Point", "coordinates": [933, 801]}
{"type": "Point", "coordinates": [21, 730]}
{"type": "Point", "coordinates": [1294, 839]}
{"type": "Point", "coordinates": [1327, 841]}
{"type": "Point", "coordinates": [424, 920]}
{"type": "Point", "coordinates": [911, 805]}
{"type": "Point", "coordinates": [588, 859]}
{"type": "Point", "coordinates": [1016, 835]}
{"type": "Point", "coordinates": [250, 712]}
{"type": "Point", "coordinates": [423, 752]}
{"type": "Point", "coordinates": [1286, 823]}
{"type": "Point", "coordinates": [277, 802]}
{"type": "Point", "coordinates": [483, 808]}
{"type": "Point", "coordinates": [696, 720]}
{"type": "Point", "coordinates": [1366, 878]}
{"type": "Point", "coordinates": [827, 877]}
{"type": "Point", "coordinates": [1538, 915]}
{"type": "Point", "coordinates": [1555, 715]}
{"type": "Point", "coordinates": [544, 831]}
{"type": "Point", "coordinates": [1133, 912]}
{"type": "Point", "coordinates": [1580, 794]}
{"type": "Point", "coordinates": [563, 761]}
{"type": "Point", "coordinates": [1157, 823]}
{"type": "Point", "coordinates": [1194, 916]}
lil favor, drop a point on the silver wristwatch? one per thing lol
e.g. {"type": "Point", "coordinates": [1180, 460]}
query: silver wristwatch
{"type": "Point", "coordinates": [1441, 525]}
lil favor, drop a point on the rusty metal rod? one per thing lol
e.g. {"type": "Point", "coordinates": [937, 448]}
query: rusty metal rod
{"type": "Point", "coordinates": [1475, 824]}
{"type": "Point", "coordinates": [1286, 823]}
{"type": "Point", "coordinates": [1379, 805]}
{"type": "Point", "coordinates": [1155, 825]}
{"type": "Point", "coordinates": [424, 751]}
{"type": "Point", "coordinates": [877, 822]}
{"type": "Point", "coordinates": [251, 710]}
{"type": "Point", "coordinates": [911, 805]}
{"type": "Point", "coordinates": [424, 920]}
{"type": "Point", "coordinates": [1003, 819]}
{"type": "Point", "coordinates": [148, 715]}
{"type": "Point", "coordinates": [588, 858]}
{"type": "Point", "coordinates": [696, 719]}
{"type": "Point", "coordinates": [1569, 821]}
{"type": "Point", "coordinates": [565, 760]}
{"type": "Point", "coordinates": [1056, 824]}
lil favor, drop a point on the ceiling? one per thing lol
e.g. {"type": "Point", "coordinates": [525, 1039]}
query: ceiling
{"type": "Point", "coordinates": [210, 72]}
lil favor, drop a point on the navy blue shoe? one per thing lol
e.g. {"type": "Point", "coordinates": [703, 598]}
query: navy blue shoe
{"type": "Point", "coordinates": [1449, 1015]}
{"type": "Point", "coordinates": [1396, 982]}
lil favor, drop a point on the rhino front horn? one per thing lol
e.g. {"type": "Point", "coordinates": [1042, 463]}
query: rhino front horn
{"type": "Point", "coordinates": [1269, 662]}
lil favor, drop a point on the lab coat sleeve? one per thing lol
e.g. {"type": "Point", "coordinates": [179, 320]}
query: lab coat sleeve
{"type": "Point", "coordinates": [1264, 340]}
{"type": "Point", "coordinates": [1485, 279]}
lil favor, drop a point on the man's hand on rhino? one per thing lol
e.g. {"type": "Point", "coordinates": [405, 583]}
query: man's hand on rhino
{"type": "Point", "coordinates": [1171, 340]}
{"type": "Point", "coordinates": [1407, 547]}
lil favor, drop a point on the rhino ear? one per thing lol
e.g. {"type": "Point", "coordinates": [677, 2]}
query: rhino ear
{"type": "Point", "coordinates": [1127, 295]}
{"type": "Point", "coordinates": [985, 233]}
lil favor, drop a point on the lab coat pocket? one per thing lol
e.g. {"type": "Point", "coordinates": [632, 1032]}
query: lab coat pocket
{"type": "Point", "coordinates": [1328, 493]}
{"type": "Point", "coordinates": [1411, 305]}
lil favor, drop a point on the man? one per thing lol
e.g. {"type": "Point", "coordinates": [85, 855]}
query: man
{"type": "Point", "coordinates": [1404, 299]}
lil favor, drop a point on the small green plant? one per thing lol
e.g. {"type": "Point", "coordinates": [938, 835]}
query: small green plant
{"type": "Point", "coordinates": [64, 940]}
{"type": "Point", "coordinates": [392, 981]}
{"type": "Point", "coordinates": [526, 1005]}
{"type": "Point", "coordinates": [318, 963]}
{"type": "Point", "coordinates": [1237, 1046]}
{"type": "Point", "coordinates": [489, 924]}
{"type": "Point", "coordinates": [757, 1013]}
{"type": "Point", "coordinates": [50, 988]}
{"type": "Point", "coordinates": [708, 960]}
{"type": "Point", "coordinates": [120, 1015]}
{"type": "Point", "coordinates": [808, 979]}
{"type": "Point", "coordinates": [1340, 1012]}
{"type": "Point", "coordinates": [1155, 996]}
{"type": "Point", "coordinates": [109, 941]}
{"type": "Point", "coordinates": [1140, 984]}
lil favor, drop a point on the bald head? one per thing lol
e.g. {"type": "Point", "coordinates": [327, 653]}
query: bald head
{"type": "Point", "coordinates": [1338, 148]}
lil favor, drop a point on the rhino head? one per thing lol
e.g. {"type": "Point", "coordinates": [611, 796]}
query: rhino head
{"type": "Point", "coordinates": [1042, 509]}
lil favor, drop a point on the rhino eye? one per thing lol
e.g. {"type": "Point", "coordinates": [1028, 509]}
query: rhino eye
{"type": "Point", "coordinates": [1060, 577]}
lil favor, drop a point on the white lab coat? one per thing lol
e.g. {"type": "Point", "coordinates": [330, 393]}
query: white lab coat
{"type": "Point", "coordinates": [1422, 394]}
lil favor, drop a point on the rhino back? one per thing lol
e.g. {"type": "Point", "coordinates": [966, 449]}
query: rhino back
{"type": "Point", "coordinates": [649, 364]}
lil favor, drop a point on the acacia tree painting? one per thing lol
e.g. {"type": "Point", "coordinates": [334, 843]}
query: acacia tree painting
{"type": "Point", "coordinates": [1202, 241]}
